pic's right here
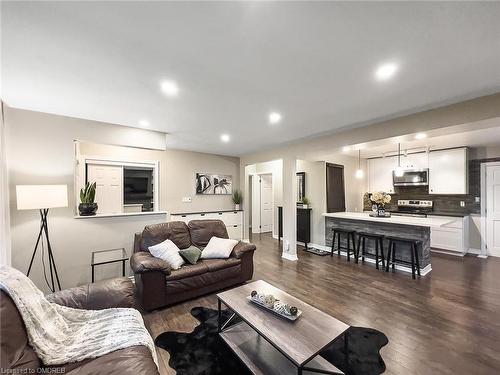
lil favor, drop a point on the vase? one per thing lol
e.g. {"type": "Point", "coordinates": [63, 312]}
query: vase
{"type": "Point", "coordinates": [237, 207]}
{"type": "Point", "coordinates": [87, 209]}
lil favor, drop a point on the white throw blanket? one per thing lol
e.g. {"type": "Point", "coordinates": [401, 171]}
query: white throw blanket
{"type": "Point", "coordinates": [61, 334]}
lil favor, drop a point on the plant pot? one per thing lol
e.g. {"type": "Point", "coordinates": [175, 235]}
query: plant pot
{"type": "Point", "coordinates": [304, 206]}
{"type": "Point", "coordinates": [237, 207]}
{"type": "Point", "coordinates": [87, 209]}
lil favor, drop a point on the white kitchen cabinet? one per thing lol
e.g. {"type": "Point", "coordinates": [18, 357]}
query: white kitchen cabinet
{"type": "Point", "coordinates": [232, 219]}
{"type": "Point", "coordinates": [415, 161]}
{"type": "Point", "coordinates": [380, 174]}
{"type": "Point", "coordinates": [448, 171]}
{"type": "Point", "coordinates": [452, 238]}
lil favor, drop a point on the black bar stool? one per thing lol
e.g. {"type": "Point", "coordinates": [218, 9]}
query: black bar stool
{"type": "Point", "coordinates": [379, 247]}
{"type": "Point", "coordinates": [350, 237]}
{"type": "Point", "coordinates": [413, 251]}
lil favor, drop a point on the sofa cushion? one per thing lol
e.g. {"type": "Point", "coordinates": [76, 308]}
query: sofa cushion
{"type": "Point", "coordinates": [188, 284]}
{"type": "Point", "coordinates": [15, 353]}
{"type": "Point", "coordinates": [188, 270]}
{"type": "Point", "coordinates": [219, 264]}
{"type": "Point", "coordinates": [128, 361]}
{"type": "Point", "coordinates": [169, 252]}
{"type": "Point", "coordinates": [203, 230]}
{"type": "Point", "coordinates": [191, 254]}
{"type": "Point", "coordinates": [175, 231]}
{"type": "Point", "coordinates": [218, 248]}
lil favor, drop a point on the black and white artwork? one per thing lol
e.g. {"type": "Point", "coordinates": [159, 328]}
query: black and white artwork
{"type": "Point", "coordinates": [214, 184]}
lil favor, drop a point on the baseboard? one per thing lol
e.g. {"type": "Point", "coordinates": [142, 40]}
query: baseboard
{"type": "Point", "coordinates": [474, 251]}
{"type": "Point", "coordinates": [292, 257]}
{"type": "Point", "coordinates": [448, 252]}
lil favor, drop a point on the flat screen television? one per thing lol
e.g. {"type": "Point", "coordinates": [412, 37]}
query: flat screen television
{"type": "Point", "coordinates": [136, 185]}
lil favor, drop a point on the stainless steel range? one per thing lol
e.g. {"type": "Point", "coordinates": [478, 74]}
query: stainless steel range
{"type": "Point", "coordinates": [416, 208]}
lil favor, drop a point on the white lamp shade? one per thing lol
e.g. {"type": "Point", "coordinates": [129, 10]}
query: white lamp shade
{"type": "Point", "coordinates": [31, 197]}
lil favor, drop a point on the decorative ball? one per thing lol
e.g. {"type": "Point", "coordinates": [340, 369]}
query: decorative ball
{"type": "Point", "coordinates": [254, 293]}
{"type": "Point", "coordinates": [293, 310]}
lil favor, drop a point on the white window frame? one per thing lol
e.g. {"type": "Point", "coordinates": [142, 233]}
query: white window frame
{"type": "Point", "coordinates": [83, 160]}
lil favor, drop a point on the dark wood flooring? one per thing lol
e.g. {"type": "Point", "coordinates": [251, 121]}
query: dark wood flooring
{"type": "Point", "coordinates": [445, 323]}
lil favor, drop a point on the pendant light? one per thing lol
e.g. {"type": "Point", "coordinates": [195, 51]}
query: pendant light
{"type": "Point", "coordinates": [399, 171]}
{"type": "Point", "coordinates": [359, 171]}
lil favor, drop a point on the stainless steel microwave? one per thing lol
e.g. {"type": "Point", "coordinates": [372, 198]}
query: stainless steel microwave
{"type": "Point", "coordinates": [412, 177]}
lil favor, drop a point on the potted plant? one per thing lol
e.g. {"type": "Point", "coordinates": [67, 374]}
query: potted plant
{"type": "Point", "coordinates": [305, 202]}
{"type": "Point", "coordinates": [237, 199]}
{"type": "Point", "coordinates": [87, 207]}
{"type": "Point", "coordinates": [380, 199]}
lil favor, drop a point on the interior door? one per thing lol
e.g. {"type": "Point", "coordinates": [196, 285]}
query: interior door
{"type": "Point", "coordinates": [109, 187]}
{"type": "Point", "coordinates": [493, 209]}
{"type": "Point", "coordinates": [255, 204]}
{"type": "Point", "coordinates": [335, 192]}
{"type": "Point", "coordinates": [266, 203]}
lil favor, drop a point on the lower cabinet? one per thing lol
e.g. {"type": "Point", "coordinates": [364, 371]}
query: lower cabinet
{"type": "Point", "coordinates": [303, 224]}
{"type": "Point", "coordinates": [453, 237]}
{"type": "Point", "coordinates": [232, 219]}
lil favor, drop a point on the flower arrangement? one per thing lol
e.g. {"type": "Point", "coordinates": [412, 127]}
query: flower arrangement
{"type": "Point", "coordinates": [380, 198]}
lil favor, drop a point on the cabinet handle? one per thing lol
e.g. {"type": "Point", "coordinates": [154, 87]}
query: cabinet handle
{"type": "Point", "coordinates": [202, 214]}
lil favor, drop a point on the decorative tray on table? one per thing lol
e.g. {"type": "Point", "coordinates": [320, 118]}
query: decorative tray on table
{"type": "Point", "coordinates": [374, 214]}
{"type": "Point", "coordinates": [269, 302]}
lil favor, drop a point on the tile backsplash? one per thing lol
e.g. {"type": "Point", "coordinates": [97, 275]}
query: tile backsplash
{"type": "Point", "coordinates": [443, 203]}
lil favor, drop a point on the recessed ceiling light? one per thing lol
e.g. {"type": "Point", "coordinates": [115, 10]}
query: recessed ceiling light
{"type": "Point", "coordinates": [420, 136]}
{"type": "Point", "coordinates": [346, 148]}
{"type": "Point", "coordinates": [144, 123]}
{"type": "Point", "coordinates": [386, 71]}
{"type": "Point", "coordinates": [274, 117]}
{"type": "Point", "coordinates": [170, 88]}
{"type": "Point", "coordinates": [225, 138]}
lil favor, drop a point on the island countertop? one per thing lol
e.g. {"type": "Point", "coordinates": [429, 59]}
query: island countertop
{"type": "Point", "coordinates": [431, 222]}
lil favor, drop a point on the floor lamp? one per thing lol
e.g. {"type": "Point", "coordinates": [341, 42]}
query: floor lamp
{"type": "Point", "coordinates": [42, 198]}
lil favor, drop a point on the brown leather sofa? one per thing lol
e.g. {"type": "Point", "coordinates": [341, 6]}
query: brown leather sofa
{"type": "Point", "coordinates": [159, 286]}
{"type": "Point", "coordinates": [18, 357]}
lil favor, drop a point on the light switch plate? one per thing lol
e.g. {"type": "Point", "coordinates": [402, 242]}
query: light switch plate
{"type": "Point", "coordinates": [462, 204]}
{"type": "Point", "coordinates": [186, 199]}
{"type": "Point", "coordinates": [478, 199]}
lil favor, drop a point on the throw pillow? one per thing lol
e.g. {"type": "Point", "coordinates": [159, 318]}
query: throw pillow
{"type": "Point", "coordinates": [169, 252]}
{"type": "Point", "coordinates": [218, 248]}
{"type": "Point", "coordinates": [191, 254]}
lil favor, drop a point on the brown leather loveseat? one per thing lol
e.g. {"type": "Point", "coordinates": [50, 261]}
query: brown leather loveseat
{"type": "Point", "coordinates": [18, 357]}
{"type": "Point", "coordinates": [159, 286]}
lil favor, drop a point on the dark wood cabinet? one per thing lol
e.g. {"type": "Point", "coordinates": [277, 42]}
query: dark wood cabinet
{"type": "Point", "coordinates": [303, 224]}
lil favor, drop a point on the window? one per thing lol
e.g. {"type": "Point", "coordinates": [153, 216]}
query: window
{"type": "Point", "coordinates": [121, 186]}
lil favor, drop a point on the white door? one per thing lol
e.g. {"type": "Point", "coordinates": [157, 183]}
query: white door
{"type": "Point", "coordinates": [109, 187]}
{"type": "Point", "coordinates": [266, 203]}
{"type": "Point", "coordinates": [255, 204]}
{"type": "Point", "coordinates": [493, 209]}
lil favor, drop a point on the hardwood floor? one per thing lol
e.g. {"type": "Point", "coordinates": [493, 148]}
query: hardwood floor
{"type": "Point", "coordinates": [445, 323]}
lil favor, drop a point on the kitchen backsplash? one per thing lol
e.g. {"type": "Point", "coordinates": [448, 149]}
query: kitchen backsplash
{"type": "Point", "coordinates": [442, 203]}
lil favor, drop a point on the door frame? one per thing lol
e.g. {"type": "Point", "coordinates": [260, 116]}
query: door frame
{"type": "Point", "coordinates": [484, 238]}
{"type": "Point", "coordinates": [258, 174]}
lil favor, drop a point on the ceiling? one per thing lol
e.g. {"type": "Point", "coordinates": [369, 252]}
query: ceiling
{"type": "Point", "coordinates": [234, 63]}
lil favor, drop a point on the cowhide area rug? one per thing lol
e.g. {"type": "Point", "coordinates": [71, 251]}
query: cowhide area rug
{"type": "Point", "coordinates": [203, 352]}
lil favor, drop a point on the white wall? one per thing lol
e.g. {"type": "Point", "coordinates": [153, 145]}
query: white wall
{"type": "Point", "coordinates": [40, 151]}
{"type": "Point", "coordinates": [316, 190]}
{"type": "Point", "coordinates": [273, 167]}
{"type": "Point", "coordinates": [5, 245]}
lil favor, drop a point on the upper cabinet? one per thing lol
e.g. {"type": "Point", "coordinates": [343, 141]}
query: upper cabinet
{"type": "Point", "coordinates": [415, 161]}
{"type": "Point", "coordinates": [380, 174]}
{"type": "Point", "coordinates": [448, 171]}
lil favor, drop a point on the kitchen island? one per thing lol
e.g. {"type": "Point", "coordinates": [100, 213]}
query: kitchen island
{"type": "Point", "coordinates": [416, 228]}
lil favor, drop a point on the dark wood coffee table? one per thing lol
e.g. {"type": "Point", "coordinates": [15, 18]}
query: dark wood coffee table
{"type": "Point", "coordinates": [269, 344]}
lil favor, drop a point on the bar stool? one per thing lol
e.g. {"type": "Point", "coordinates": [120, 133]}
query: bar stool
{"type": "Point", "coordinates": [379, 245]}
{"type": "Point", "coordinates": [350, 237]}
{"type": "Point", "coordinates": [413, 251]}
